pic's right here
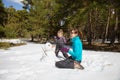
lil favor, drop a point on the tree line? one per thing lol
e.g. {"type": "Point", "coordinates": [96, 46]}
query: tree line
{"type": "Point", "coordinates": [43, 18]}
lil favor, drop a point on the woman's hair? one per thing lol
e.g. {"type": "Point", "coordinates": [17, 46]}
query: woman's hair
{"type": "Point", "coordinates": [76, 31]}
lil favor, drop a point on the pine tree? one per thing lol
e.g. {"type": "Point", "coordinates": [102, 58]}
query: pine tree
{"type": "Point", "coordinates": [2, 19]}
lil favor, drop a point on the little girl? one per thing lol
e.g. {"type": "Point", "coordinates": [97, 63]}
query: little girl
{"type": "Point", "coordinates": [60, 43]}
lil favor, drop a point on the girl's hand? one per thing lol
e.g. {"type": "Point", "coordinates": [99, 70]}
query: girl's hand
{"type": "Point", "coordinates": [55, 37]}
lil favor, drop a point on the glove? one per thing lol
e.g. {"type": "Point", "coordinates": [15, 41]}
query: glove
{"type": "Point", "coordinates": [64, 49]}
{"type": "Point", "coordinates": [55, 37]}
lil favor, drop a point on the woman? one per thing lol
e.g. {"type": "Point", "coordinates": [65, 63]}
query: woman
{"type": "Point", "coordinates": [76, 53]}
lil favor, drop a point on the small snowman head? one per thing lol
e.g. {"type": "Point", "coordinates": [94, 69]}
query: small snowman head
{"type": "Point", "coordinates": [48, 46]}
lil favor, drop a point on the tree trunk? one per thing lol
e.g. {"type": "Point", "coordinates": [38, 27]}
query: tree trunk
{"type": "Point", "coordinates": [32, 38]}
{"type": "Point", "coordinates": [107, 26]}
{"type": "Point", "coordinates": [115, 29]}
{"type": "Point", "coordinates": [95, 23]}
{"type": "Point", "coordinates": [89, 28]}
{"type": "Point", "coordinates": [119, 37]}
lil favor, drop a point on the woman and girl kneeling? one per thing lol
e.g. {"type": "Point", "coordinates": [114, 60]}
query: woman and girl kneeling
{"type": "Point", "coordinates": [74, 61]}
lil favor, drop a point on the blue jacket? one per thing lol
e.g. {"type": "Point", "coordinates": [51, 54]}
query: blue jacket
{"type": "Point", "coordinates": [76, 51]}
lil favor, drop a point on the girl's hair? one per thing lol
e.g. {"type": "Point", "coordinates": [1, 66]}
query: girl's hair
{"type": "Point", "coordinates": [60, 31]}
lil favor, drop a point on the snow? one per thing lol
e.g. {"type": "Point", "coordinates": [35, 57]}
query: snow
{"type": "Point", "coordinates": [106, 41]}
{"type": "Point", "coordinates": [12, 40]}
{"type": "Point", "coordinates": [37, 62]}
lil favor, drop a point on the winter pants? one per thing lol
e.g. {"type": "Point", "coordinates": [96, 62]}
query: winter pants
{"type": "Point", "coordinates": [58, 47]}
{"type": "Point", "coordinates": [67, 63]}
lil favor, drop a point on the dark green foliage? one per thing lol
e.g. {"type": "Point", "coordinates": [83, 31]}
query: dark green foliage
{"type": "Point", "coordinates": [2, 19]}
{"type": "Point", "coordinates": [5, 45]}
{"type": "Point", "coordinates": [96, 19]}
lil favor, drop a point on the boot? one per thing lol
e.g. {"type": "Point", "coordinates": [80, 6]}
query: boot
{"type": "Point", "coordinates": [65, 55]}
{"type": "Point", "coordinates": [77, 65]}
{"type": "Point", "coordinates": [56, 52]}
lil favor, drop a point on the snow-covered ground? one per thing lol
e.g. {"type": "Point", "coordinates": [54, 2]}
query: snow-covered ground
{"type": "Point", "coordinates": [12, 40]}
{"type": "Point", "coordinates": [28, 62]}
